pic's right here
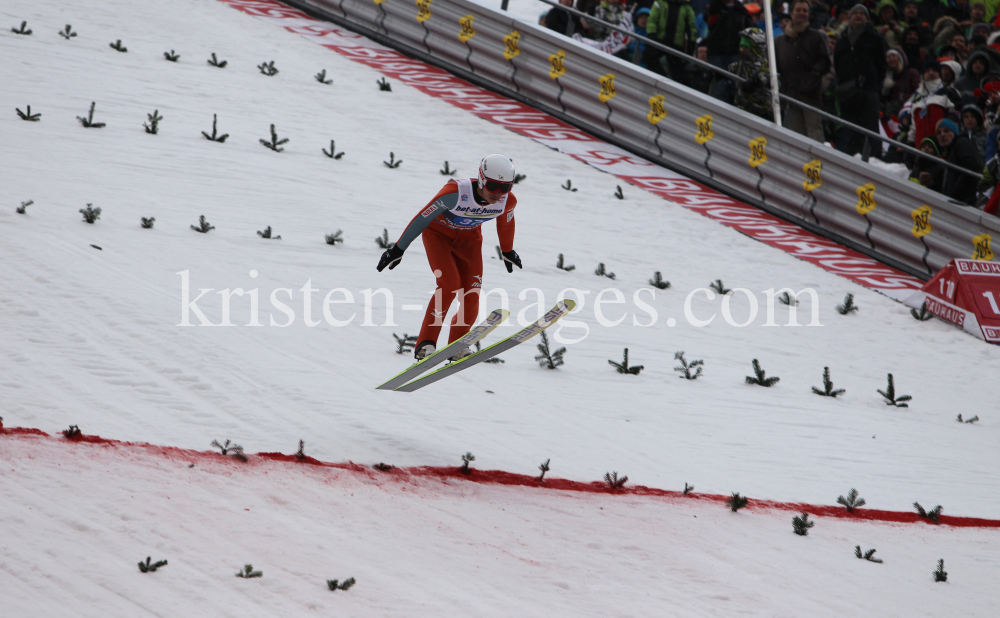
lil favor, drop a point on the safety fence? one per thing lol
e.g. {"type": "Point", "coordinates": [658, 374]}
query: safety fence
{"type": "Point", "coordinates": [816, 187]}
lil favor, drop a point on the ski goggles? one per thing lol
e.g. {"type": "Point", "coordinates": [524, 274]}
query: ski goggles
{"type": "Point", "coordinates": [495, 186]}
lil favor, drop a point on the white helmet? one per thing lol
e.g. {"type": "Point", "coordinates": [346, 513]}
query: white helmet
{"type": "Point", "coordinates": [497, 168]}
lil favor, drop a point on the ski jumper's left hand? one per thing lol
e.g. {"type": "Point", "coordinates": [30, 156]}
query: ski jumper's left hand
{"type": "Point", "coordinates": [510, 258]}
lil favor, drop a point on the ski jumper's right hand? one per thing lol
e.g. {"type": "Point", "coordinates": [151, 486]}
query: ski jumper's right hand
{"type": "Point", "coordinates": [391, 258]}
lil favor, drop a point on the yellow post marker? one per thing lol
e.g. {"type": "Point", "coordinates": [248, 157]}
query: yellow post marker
{"type": "Point", "coordinates": [558, 64]}
{"type": "Point", "coordinates": [656, 111]}
{"type": "Point", "coordinates": [423, 10]}
{"type": "Point", "coordinates": [705, 132]}
{"type": "Point", "coordinates": [866, 199]}
{"type": "Point", "coordinates": [467, 31]}
{"type": "Point", "coordinates": [813, 180]}
{"type": "Point", "coordinates": [758, 155]}
{"type": "Point", "coordinates": [510, 45]}
{"type": "Point", "coordinates": [608, 92]}
{"type": "Point", "coordinates": [921, 221]}
{"type": "Point", "coordinates": [982, 245]}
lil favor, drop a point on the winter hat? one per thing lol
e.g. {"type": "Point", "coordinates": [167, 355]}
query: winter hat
{"type": "Point", "coordinates": [895, 51]}
{"type": "Point", "coordinates": [859, 7]}
{"type": "Point", "coordinates": [972, 108]}
{"type": "Point", "coordinates": [933, 143]}
{"type": "Point", "coordinates": [641, 12]}
{"type": "Point", "coordinates": [955, 67]}
{"type": "Point", "coordinates": [993, 38]}
{"type": "Point", "coordinates": [947, 123]}
{"type": "Point", "coordinates": [931, 64]}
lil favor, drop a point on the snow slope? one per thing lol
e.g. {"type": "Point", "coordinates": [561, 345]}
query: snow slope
{"type": "Point", "coordinates": [90, 337]}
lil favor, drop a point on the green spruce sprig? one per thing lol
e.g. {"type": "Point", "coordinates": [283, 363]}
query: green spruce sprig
{"type": "Point", "coordinates": [828, 386]}
{"type": "Point", "coordinates": [203, 226]}
{"type": "Point", "coordinates": [658, 281]}
{"type": "Point", "coordinates": [22, 209]}
{"type": "Point", "coordinates": [544, 467]}
{"type": "Point", "coordinates": [118, 47]}
{"type": "Point", "coordinates": [940, 575]}
{"type": "Point", "coordinates": [934, 514]}
{"type": "Point", "coordinates": [890, 395]}
{"type": "Point", "coordinates": [215, 62]}
{"type": "Point", "coordinates": [333, 585]}
{"type": "Point", "coordinates": [688, 489]}
{"type": "Point", "coordinates": [405, 343]}
{"type": "Point", "coordinates": [736, 501]}
{"type": "Point", "coordinates": [852, 501]}
{"type": "Point", "coordinates": [788, 299]}
{"type": "Point", "coordinates": [235, 449]}
{"type": "Point", "coordinates": [88, 122]}
{"type": "Point", "coordinates": [333, 154]}
{"type": "Point", "coordinates": [801, 524]}
{"type": "Point", "coordinates": [267, 234]}
{"type": "Point", "coordinates": [518, 178]}
{"type": "Point", "coordinates": [759, 378]}
{"type": "Point", "coordinates": [67, 32]}
{"type": "Point", "coordinates": [91, 214]}
{"type": "Point", "coordinates": [561, 264]}
{"type": "Point", "coordinates": [868, 555]}
{"type": "Point", "coordinates": [248, 572]}
{"type": "Point", "coordinates": [548, 358]}
{"type": "Point", "coordinates": [685, 367]}
{"type": "Point", "coordinates": [383, 85]}
{"type": "Point", "coordinates": [445, 171]}
{"type": "Point", "coordinates": [72, 433]}
{"type": "Point", "coordinates": [614, 481]}
{"type": "Point", "coordinates": [569, 186]}
{"type": "Point", "coordinates": [959, 419]}
{"type": "Point", "coordinates": [383, 467]}
{"type": "Point", "coordinates": [718, 287]}
{"type": "Point", "coordinates": [301, 453]}
{"type": "Point", "coordinates": [333, 239]}
{"type": "Point", "coordinates": [601, 271]}
{"type": "Point", "coordinates": [392, 163]}
{"type": "Point", "coordinates": [147, 223]}
{"type": "Point", "coordinates": [215, 137]}
{"type": "Point", "coordinates": [321, 78]}
{"type": "Point", "coordinates": [153, 125]}
{"type": "Point", "coordinates": [150, 567]}
{"type": "Point", "coordinates": [171, 56]}
{"type": "Point", "coordinates": [22, 30]}
{"type": "Point", "coordinates": [275, 142]}
{"type": "Point", "coordinates": [848, 306]}
{"type": "Point", "coordinates": [28, 115]}
{"type": "Point", "coordinates": [383, 240]}
{"type": "Point", "coordinates": [618, 192]}
{"type": "Point", "coordinates": [623, 367]}
{"type": "Point", "coordinates": [923, 315]}
{"type": "Point", "coordinates": [466, 460]}
{"type": "Point", "coordinates": [268, 68]}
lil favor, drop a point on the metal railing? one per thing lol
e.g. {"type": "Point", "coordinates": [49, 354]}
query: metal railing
{"type": "Point", "coordinates": [787, 99]}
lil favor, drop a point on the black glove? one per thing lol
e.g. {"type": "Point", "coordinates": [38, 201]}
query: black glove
{"type": "Point", "coordinates": [509, 259]}
{"type": "Point", "coordinates": [391, 258]}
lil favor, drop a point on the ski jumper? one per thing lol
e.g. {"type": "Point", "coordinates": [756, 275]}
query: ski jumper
{"type": "Point", "coordinates": [449, 226]}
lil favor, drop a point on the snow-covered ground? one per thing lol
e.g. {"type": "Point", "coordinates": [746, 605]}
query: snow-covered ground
{"type": "Point", "coordinates": [90, 337]}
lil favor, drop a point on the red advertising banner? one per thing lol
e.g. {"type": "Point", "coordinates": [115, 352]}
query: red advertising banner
{"type": "Point", "coordinates": [967, 294]}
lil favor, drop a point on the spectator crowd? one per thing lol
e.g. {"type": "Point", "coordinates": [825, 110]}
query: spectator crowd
{"type": "Point", "coordinates": [926, 73]}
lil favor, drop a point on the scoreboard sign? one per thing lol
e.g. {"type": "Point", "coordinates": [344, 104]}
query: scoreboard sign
{"type": "Point", "coordinates": [967, 294]}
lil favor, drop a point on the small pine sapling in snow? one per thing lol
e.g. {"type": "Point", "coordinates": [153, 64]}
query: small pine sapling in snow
{"type": "Point", "coordinates": [236, 449]}
{"type": "Point", "coordinates": [519, 177]}
{"type": "Point", "coordinates": [685, 368]}
{"type": "Point", "coordinates": [618, 192]}
{"type": "Point", "coordinates": [383, 467]}
{"type": "Point", "coordinates": [544, 467]}
{"type": "Point", "coordinates": [28, 115]}
{"type": "Point", "coordinates": [383, 85]}
{"type": "Point", "coordinates": [623, 366]}
{"type": "Point", "coordinates": [688, 489]}
{"type": "Point", "coordinates": [392, 163]}
{"type": "Point", "coordinates": [499, 253]}
{"type": "Point", "coordinates": [150, 567]}
{"type": "Point", "coordinates": [72, 433]}
{"type": "Point", "coordinates": [801, 524]}
{"type": "Point", "coordinates": [22, 30]}
{"type": "Point", "coordinates": [828, 386]}
{"type": "Point", "coordinates": [215, 62]}
{"type": "Point", "coordinates": [22, 209]}
{"type": "Point", "coordinates": [117, 46]}
{"type": "Point", "coordinates": [466, 460]}
{"type": "Point", "coordinates": [91, 214]}
{"type": "Point", "coordinates": [848, 306]}
{"type": "Point", "coordinates": [154, 122]}
{"type": "Point", "coordinates": [203, 225]}
{"type": "Point", "coordinates": [601, 271]}
{"type": "Point", "coordinates": [248, 572]}
{"type": "Point", "coordinates": [275, 142]}
{"type": "Point", "coordinates": [759, 377]}
{"type": "Point", "coordinates": [215, 137]}
{"type": "Point", "coordinates": [933, 514]}
{"type": "Point", "coordinates": [321, 78]}
{"type": "Point", "coordinates": [890, 395]}
{"type": "Point", "coordinates": [405, 343]}
{"type": "Point", "coordinates": [548, 358]}
{"type": "Point", "coordinates": [613, 481]}
{"type": "Point", "coordinates": [923, 315]}
{"type": "Point", "coordinates": [88, 122]}
{"type": "Point", "coordinates": [171, 56]}
{"type": "Point", "coordinates": [568, 186]}
{"type": "Point", "coordinates": [959, 419]}
{"type": "Point", "coordinates": [267, 234]}
{"type": "Point", "coordinates": [868, 555]}
{"type": "Point", "coordinates": [301, 453]}
{"type": "Point", "coordinates": [333, 239]}
{"type": "Point", "coordinates": [268, 69]}
{"type": "Point", "coordinates": [67, 32]}
{"type": "Point", "coordinates": [383, 240]}
{"type": "Point", "coordinates": [147, 223]}
{"type": "Point", "coordinates": [333, 154]}
{"type": "Point", "coordinates": [852, 501]}
{"type": "Point", "coordinates": [940, 575]}
{"type": "Point", "coordinates": [736, 501]}
{"type": "Point", "coordinates": [333, 585]}
{"type": "Point", "coordinates": [718, 287]}
{"type": "Point", "coordinates": [658, 282]}
{"type": "Point", "coordinates": [447, 172]}
{"type": "Point", "coordinates": [788, 299]}
{"type": "Point", "coordinates": [561, 264]}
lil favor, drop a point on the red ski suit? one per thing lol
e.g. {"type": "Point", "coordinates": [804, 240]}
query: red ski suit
{"type": "Point", "coordinates": [454, 248]}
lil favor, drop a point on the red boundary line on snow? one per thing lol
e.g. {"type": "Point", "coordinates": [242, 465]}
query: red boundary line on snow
{"type": "Point", "coordinates": [554, 133]}
{"type": "Point", "coordinates": [500, 477]}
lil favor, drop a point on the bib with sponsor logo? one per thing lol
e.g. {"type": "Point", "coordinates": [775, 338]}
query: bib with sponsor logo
{"type": "Point", "coordinates": [467, 214]}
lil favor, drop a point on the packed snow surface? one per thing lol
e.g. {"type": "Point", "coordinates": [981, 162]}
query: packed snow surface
{"type": "Point", "coordinates": [90, 337]}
